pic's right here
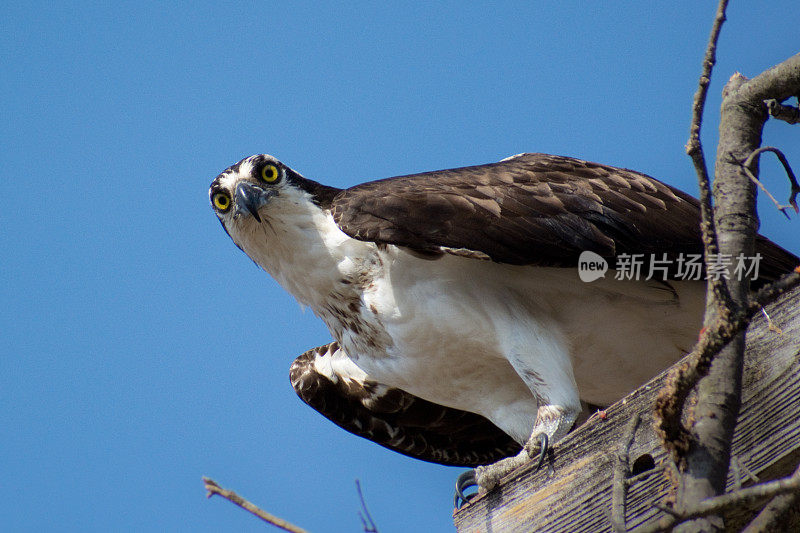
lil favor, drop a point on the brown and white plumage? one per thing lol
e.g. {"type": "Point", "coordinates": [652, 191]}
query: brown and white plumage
{"type": "Point", "coordinates": [461, 327]}
{"type": "Point", "coordinates": [396, 419]}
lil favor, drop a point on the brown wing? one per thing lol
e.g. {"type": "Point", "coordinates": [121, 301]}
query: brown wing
{"type": "Point", "coordinates": [532, 209]}
{"type": "Point", "coordinates": [398, 420]}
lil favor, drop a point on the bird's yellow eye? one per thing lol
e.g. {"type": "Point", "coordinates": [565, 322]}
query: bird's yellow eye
{"type": "Point", "coordinates": [221, 201]}
{"type": "Point", "coordinates": [270, 173]}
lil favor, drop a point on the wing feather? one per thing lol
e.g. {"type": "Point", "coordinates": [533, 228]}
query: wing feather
{"type": "Point", "coordinates": [533, 209]}
{"type": "Point", "coordinates": [396, 419]}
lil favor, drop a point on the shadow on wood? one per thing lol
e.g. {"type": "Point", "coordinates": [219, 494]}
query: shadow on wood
{"type": "Point", "coordinates": [572, 492]}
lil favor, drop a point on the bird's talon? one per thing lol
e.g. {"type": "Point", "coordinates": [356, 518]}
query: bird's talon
{"type": "Point", "coordinates": [543, 443]}
{"type": "Point", "coordinates": [465, 480]}
{"type": "Point", "coordinates": [543, 446]}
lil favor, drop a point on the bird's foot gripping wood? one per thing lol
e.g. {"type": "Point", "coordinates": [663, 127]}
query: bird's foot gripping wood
{"type": "Point", "coordinates": [552, 423]}
{"type": "Point", "coordinates": [487, 477]}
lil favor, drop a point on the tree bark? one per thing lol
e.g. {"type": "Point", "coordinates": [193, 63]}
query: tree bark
{"type": "Point", "coordinates": [713, 419]}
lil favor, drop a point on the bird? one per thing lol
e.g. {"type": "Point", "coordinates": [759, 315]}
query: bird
{"type": "Point", "coordinates": [461, 331]}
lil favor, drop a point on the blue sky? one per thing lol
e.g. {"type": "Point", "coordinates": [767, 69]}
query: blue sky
{"type": "Point", "coordinates": [141, 350]}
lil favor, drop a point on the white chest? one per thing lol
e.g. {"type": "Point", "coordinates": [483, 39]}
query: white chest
{"type": "Point", "coordinates": [421, 325]}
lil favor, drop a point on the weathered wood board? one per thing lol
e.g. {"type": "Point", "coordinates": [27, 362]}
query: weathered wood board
{"type": "Point", "coordinates": [572, 492]}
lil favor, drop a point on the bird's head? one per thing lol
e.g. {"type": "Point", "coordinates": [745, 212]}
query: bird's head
{"type": "Point", "coordinates": [240, 193]}
{"type": "Point", "coordinates": [260, 192]}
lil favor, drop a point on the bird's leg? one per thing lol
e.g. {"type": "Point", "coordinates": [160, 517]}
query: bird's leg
{"type": "Point", "coordinates": [541, 359]}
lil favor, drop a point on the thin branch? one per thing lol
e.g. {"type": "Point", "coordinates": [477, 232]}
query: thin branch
{"type": "Point", "coordinates": [633, 480]}
{"type": "Point", "coordinates": [668, 509]}
{"type": "Point", "coordinates": [366, 518]}
{"type": "Point", "coordinates": [737, 465]}
{"type": "Point", "coordinates": [769, 293]}
{"type": "Point", "coordinates": [694, 149]}
{"type": "Point", "coordinates": [795, 186]}
{"type": "Point", "coordinates": [786, 113]}
{"type": "Point", "coordinates": [769, 517]}
{"type": "Point", "coordinates": [622, 469]}
{"type": "Point", "coordinates": [709, 61]}
{"type": "Point", "coordinates": [778, 206]}
{"type": "Point", "coordinates": [718, 504]}
{"type": "Point", "coordinates": [213, 488]}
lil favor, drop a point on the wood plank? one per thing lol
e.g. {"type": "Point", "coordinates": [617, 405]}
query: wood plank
{"type": "Point", "coordinates": [573, 491]}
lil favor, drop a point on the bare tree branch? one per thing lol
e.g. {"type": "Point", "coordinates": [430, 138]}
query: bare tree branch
{"type": "Point", "coordinates": [670, 405]}
{"type": "Point", "coordinates": [779, 82]}
{"type": "Point", "coordinates": [213, 488]}
{"type": "Point", "coordinates": [786, 113]}
{"type": "Point", "coordinates": [781, 487]}
{"type": "Point", "coordinates": [746, 166]}
{"type": "Point", "coordinates": [737, 465]}
{"type": "Point", "coordinates": [366, 519]}
{"type": "Point", "coordinates": [767, 520]}
{"type": "Point", "coordinates": [694, 149]}
{"type": "Point", "coordinates": [769, 293]}
{"type": "Point", "coordinates": [701, 449]}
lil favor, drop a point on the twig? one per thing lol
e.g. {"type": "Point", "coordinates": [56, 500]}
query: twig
{"type": "Point", "coordinates": [619, 489]}
{"type": "Point", "coordinates": [767, 520]}
{"type": "Point", "coordinates": [781, 208]}
{"type": "Point", "coordinates": [737, 473]}
{"type": "Point", "coordinates": [667, 509]}
{"type": "Point", "coordinates": [718, 504]}
{"type": "Point", "coordinates": [694, 149]}
{"type": "Point", "coordinates": [213, 488]}
{"type": "Point", "coordinates": [770, 325]}
{"type": "Point", "coordinates": [737, 465]}
{"type": "Point", "coordinates": [786, 113]}
{"type": "Point", "coordinates": [633, 480]}
{"type": "Point", "coordinates": [366, 518]}
{"type": "Point", "coordinates": [795, 186]}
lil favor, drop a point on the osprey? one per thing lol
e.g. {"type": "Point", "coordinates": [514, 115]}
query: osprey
{"type": "Point", "coordinates": [462, 332]}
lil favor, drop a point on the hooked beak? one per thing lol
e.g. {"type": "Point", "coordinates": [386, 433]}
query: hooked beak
{"type": "Point", "coordinates": [250, 198]}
